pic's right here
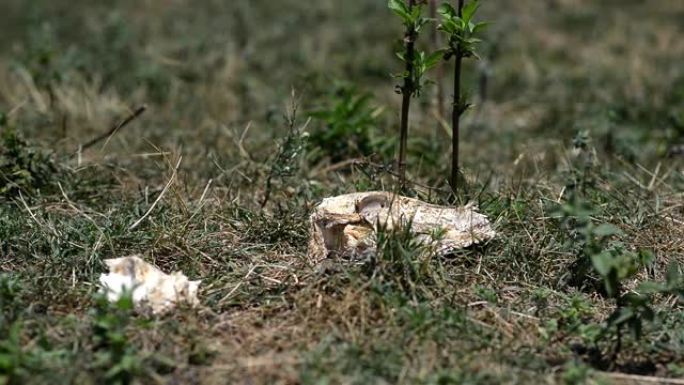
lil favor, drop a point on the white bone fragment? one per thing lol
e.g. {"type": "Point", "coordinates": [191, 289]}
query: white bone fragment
{"type": "Point", "coordinates": [150, 286]}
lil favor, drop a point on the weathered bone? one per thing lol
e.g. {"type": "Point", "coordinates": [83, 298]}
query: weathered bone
{"type": "Point", "coordinates": [347, 225]}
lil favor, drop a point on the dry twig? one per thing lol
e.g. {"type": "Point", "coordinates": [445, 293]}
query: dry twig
{"type": "Point", "coordinates": [107, 135]}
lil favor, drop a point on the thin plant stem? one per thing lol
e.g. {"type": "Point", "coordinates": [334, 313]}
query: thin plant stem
{"type": "Point", "coordinates": [440, 69]}
{"type": "Point", "coordinates": [406, 91]}
{"type": "Point", "coordinates": [456, 112]}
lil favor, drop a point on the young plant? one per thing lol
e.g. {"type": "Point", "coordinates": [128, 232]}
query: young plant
{"type": "Point", "coordinates": [457, 24]}
{"type": "Point", "coordinates": [417, 63]}
{"type": "Point", "coordinates": [345, 126]}
{"type": "Point", "coordinates": [291, 151]}
{"type": "Point", "coordinates": [117, 359]}
{"type": "Point", "coordinates": [603, 259]}
{"type": "Point", "coordinates": [632, 309]}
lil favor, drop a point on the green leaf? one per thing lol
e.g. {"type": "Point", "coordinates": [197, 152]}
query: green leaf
{"type": "Point", "coordinates": [421, 22]}
{"type": "Point", "coordinates": [479, 27]}
{"type": "Point", "coordinates": [446, 10]}
{"type": "Point", "coordinates": [460, 24]}
{"type": "Point", "coordinates": [603, 263]}
{"type": "Point", "coordinates": [645, 257]}
{"type": "Point", "coordinates": [448, 26]}
{"type": "Point", "coordinates": [398, 7]}
{"type": "Point", "coordinates": [434, 58]}
{"type": "Point", "coordinates": [6, 363]}
{"type": "Point", "coordinates": [651, 288]}
{"type": "Point", "coordinates": [469, 11]}
{"type": "Point", "coordinates": [415, 12]}
{"type": "Point", "coordinates": [606, 230]}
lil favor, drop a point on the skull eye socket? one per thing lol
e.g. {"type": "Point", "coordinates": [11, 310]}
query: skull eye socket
{"type": "Point", "coordinates": [372, 203]}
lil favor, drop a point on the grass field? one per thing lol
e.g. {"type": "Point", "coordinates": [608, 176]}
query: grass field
{"type": "Point", "coordinates": [573, 150]}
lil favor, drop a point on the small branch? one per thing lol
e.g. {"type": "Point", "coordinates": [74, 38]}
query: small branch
{"type": "Point", "coordinates": [388, 171]}
{"type": "Point", "coordinates": [334, 167]}
{"type": "Point", "coordinates": [139, 111]}
{"type": "Point", "coordinates": [154, 204]}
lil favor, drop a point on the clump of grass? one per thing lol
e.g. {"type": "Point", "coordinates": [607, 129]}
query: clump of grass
{"type": "Point", "coordinates": [23, 167]}
{"type": "Point", "coordinates": [349, 126]}
{"type": "Point", "coordinates": [17, 364]}
{"type": "Point", "coordinates": [22, 358]}
{"type": "Point", "coordinates": [405, 263]}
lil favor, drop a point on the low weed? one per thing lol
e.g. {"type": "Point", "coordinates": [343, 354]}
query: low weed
{"type": "Point", "coordinates": [348, 127]}
{"type": "Point", "coordinates": [23, 167]}
{"type": "Point", "coordinates": [604, 262]}
{"type": "Point", "coordinates": [117, 361]}
{"type": "Point", "coordinates": [290, 156]}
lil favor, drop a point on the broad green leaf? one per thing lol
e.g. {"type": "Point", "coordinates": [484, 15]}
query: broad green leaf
{"type": "Point", "coordinates": [434, 58]}
{"type": "Point", "coordinates": [446, 10]}
{"type": "Point", "coordinates": [448, 26]}
{"type": "Point", "coordinates": [469, 10]}
{"type": "Point", "coordinates": [460, 23]}
{"type": "Point", "coordinates": [398, 7]}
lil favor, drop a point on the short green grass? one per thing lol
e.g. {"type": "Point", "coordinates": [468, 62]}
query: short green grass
{"type": "Point", "coordinates": [585, 100]}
